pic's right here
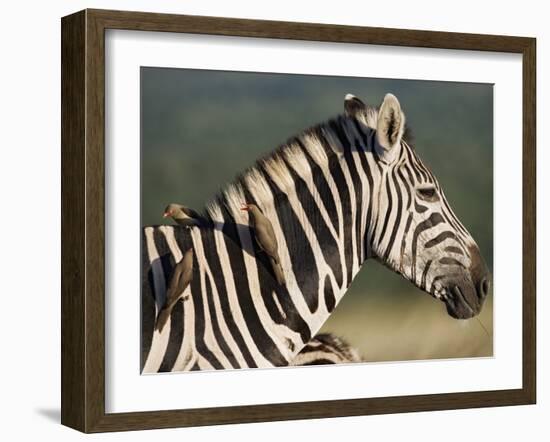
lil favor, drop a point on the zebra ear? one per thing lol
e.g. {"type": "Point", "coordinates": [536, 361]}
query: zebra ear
{"type": "Point", "coordinates": [353, 105]}
{"type": "Point", "coordinates": [391, 123]}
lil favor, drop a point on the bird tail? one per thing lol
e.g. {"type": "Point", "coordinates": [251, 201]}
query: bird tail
{"type": "Point", "coordinates": [162, 318]}
{"type": "Point", "coordinates": [278, 271]}
{"type": "Point", "coordinates": [166, 311]}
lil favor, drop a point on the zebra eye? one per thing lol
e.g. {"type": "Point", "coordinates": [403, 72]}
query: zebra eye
{"type": "Point", "coordinates": [427, 193]}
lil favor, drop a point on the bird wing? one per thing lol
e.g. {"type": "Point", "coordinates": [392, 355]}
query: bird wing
{"type": "Point", "coordinates": [174, 282]}
{"type": "Point", "coordinates": [267, 241]}
{"type": "Point", "coordinates": [181, 278]}
{"type": "Point", "coordinates": [266, 234]}
{"type": "Point", "coordinates": [191, 213]}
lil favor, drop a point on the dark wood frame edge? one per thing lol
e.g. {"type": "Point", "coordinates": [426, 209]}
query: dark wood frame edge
{"type": "Point", "coordinates": [82, 202]}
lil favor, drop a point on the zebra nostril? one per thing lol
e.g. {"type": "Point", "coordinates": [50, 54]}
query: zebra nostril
{"type": "Point", "coordinates": [483, 288]}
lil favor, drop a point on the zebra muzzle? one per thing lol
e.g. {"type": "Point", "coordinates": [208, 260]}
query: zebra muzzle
{"type": "Point", "coordinates": [460, 297]}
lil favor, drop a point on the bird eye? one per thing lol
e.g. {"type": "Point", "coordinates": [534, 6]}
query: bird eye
{"type": "Point", "coordinates": [427, 193]}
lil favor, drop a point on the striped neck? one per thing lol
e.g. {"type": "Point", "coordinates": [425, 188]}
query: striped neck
{"type": "Point", "coordinates": [317, 192]}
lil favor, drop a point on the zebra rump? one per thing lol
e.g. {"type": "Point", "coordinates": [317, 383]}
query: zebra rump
{"type": "Point", "coordinates": [324, 349]}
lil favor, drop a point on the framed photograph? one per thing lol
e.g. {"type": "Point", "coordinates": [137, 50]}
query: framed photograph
{"type": "Point", "coordinates": [269, 220]}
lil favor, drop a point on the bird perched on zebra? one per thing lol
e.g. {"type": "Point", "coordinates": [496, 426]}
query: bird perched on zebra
{"type": "Point", "coordinates": [184, 216]}
{"type": "Point", "coordinates": [326, 348]}
{"type": "Point", "coordinates": [183, 273]}
{"type": "Point", "coordinates": [266, 239]}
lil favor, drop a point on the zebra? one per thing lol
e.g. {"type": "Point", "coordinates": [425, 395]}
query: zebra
{"type": "Point", "coordinates": [339, 193]}
{"type": "Point", "coordinates": [324, 349]}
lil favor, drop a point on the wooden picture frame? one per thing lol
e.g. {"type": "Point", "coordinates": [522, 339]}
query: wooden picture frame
{"type": "Point", "coordinates": [83, 220]}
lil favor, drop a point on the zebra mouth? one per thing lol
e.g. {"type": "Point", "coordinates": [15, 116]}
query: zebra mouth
{"type": "Point", "coordinates": [457, 305]}
{"type": "Point", "coordinates": [458, 294]}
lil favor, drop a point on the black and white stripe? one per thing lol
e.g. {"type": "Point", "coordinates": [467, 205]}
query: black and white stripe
{"type": "Point", "coordinates": [325, 349]}
{"type": "Point", "coordinates": [336, 195]}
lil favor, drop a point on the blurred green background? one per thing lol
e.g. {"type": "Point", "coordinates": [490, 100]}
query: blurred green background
{"type": "Point", "coordinates": [200, 128]}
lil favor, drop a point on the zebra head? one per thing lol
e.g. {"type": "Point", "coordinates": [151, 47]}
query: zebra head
{"type": "Point", "coordinates": [417, 233]}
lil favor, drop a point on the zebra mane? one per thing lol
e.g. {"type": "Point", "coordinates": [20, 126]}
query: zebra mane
{"type": "Point", "coordinates": [280, 166]}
